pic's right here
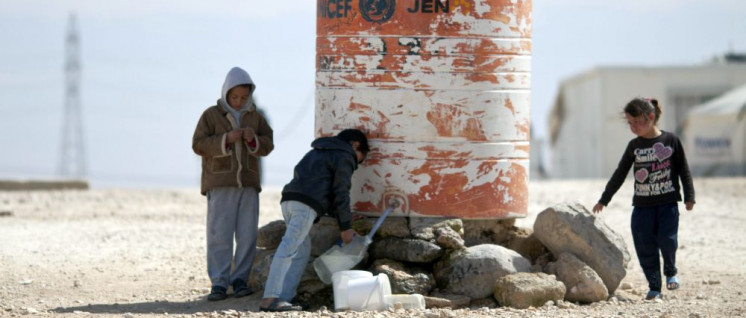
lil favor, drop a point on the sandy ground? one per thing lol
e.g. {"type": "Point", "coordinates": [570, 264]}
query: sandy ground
{"type": "Point", "coordinates": [125, 253]}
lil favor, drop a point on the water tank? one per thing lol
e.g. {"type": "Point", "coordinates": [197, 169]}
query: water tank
{"type": "Point", "coordinates": [442, 88]}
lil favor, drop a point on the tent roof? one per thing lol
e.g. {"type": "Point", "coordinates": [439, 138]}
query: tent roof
{"type": "Point", "coordinates": [731, 102]}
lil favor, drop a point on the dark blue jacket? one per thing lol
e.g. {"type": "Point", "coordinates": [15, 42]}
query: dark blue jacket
{"type": "Point", "coordinates": [322, 179]}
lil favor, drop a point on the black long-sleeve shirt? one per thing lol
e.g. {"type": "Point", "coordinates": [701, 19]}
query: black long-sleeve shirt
{"type": "Point", "coordinates": [659, 163]}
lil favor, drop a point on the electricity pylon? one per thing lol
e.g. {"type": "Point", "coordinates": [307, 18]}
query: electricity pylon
{"type": "Point", "coordinates": [72, 148]}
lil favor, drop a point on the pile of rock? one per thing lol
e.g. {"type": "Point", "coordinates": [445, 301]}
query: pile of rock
{"type": "Point", "coordinates": [569, 255]}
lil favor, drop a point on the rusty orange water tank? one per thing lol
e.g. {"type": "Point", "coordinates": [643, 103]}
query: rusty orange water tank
{"type": "Point", "coordinates": [442, 87]}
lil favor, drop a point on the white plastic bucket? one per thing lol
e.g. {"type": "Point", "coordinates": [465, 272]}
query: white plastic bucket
{"type": "Point", "coordinates": [340, 281]}
{"type": "Point", "coordinates": [368, 293]}
{"type": "Point", "coordinates": [405, 301]}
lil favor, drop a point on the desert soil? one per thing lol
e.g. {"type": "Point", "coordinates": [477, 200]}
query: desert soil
{"type": "Point", "coordinates": [133, 253]}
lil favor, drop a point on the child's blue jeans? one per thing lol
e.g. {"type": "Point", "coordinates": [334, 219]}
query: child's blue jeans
{"type": "Point", "coordinates": [291, 257]}
{"type": "Point", "coordinates": [654, 232]}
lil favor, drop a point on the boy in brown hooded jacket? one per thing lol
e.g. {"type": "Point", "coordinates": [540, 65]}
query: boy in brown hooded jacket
{"type": "Point", "coordinates": [230, 137]}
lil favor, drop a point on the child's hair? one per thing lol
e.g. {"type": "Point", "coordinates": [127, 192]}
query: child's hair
{"type": "Point", "coordinates": [350, 135]}
{"type": "Point", "coordinates": [644, 106]}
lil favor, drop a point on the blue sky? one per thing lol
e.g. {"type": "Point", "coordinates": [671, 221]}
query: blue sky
{"type": "Point", "coordinates": [151, 68]}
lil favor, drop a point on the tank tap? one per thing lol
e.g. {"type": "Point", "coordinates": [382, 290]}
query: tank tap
{"type": "Point", "coordinates": [396, 200]}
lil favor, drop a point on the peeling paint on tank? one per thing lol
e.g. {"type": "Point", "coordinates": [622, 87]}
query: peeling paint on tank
{"type": "Point", "coordinates": [524, 127]}
{"type": "Point", "coordinates": [364, 206]}
{"type": "Point", "coordinates": [424, 63]}
{"type": "Point", "coordinates": [443, 185]}
{"type": "Point", "coordinates": [510, 77]}
{"type": "Point", "coordinates": [413, 80]}
{"type": "Point", "coordinates": [509, 105]}
{"type": "Point", "coordinates": [485, 167]}
{"type": "Point", "coordinates": [405, 115]}
{"type": "Point", "coordinates": [353, 46]}
{"type": "Point", "coordinates": [444, 97]}
{"type": "Point", "coordinates": [524, 148]}
{"type": "Point", "coordinates": [358, 107]}
{"type": "Point", "coordinates": [450, 120]}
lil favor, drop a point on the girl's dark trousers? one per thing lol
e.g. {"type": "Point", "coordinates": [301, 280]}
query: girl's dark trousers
{"type": "Point", "coordinates": [654, 231]}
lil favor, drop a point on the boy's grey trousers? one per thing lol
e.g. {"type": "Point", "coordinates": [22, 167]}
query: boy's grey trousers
{"type": "Point", "coordinates": [231, 211]}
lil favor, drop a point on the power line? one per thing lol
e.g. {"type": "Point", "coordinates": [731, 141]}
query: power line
{"type": "Point", "coordinates": [300, 113]}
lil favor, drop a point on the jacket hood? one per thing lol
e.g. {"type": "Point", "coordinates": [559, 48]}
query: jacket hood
{"type": "Point", "coordinates": [334, 143]}
{"type": "Point", "coordinates": [237, 76]}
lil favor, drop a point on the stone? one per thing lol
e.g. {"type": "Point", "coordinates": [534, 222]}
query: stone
{"type": "Point", "coordinates": [405, 250]}
{"type": "Point", "coordinates": [581, 281]}
{"type": "Point", "coordinates": [571, 228]}
{"type": "Point", "coordinates": [625, 296]}
{"type": "Point", "coordinates": [424, 228]}
{"type": "Point", "coordinates": [542, 261]}
{"type": "Point", "coordinates": [404, 279]}
{"type": "Point", "coordinates": [472, 272]}
{"type": "Point", "coordinates": [524, 290]}
{"type": "Point", "coordinates": [437, 302]}
{"type": "Point", "coordinates": [488, 302]}
{"type": "Point", "coordinates": [391, 227]}
{"type": "Point", "coordinates": [260, 268]}
{"type": "Point", "coordinates": [447, 238]}
{"type": "Point", "coordinates": [315, 294]}
{"type": "Point", "coordinates": [478, 232]}
{"type": "Point", "coordinates": [270, 235]}
{"type": "Point", "coordinates": [455, 301]}
{"type": "Point", "coordinates": [523, 241]}
{"type": "Point", "coordinates": [324, 234]}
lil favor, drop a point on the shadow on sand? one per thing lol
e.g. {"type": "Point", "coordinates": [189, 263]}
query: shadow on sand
{"type": "Point", "coordinates": [201, 304]}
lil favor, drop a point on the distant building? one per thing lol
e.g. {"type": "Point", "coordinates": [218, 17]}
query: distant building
{"type": "Point", "coordinates": [536, 164]}
{"type": "Point", "coordinates": [587, 130]}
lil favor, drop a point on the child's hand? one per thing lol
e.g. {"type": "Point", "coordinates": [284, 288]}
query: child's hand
{"type": "Point", "coordinates": [689, 205]}
{"type": "Point", "coordinates": [598, 207]}
{"type": "Point", "coordinates": [347, 236]}
{"type": "Point", "coordinates": [234, 135]}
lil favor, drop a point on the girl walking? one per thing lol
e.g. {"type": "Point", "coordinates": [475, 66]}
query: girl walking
{"type": "Point", "coordinates": [658, 162]}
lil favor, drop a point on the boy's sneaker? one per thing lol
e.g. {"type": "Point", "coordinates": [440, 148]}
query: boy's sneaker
{"type": "Point", "coordinates": [240, 289]}
{"type": "Point", "coordinates": [217, 293]}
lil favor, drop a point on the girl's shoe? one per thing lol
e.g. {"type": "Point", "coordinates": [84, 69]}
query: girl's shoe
{"type": "Point", "coordinates": [673, 283]}
{"type": "Point", "coordinates": [653, 295]}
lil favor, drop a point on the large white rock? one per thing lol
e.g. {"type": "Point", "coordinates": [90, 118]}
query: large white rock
{"type": "Point", "coordinates": [571, 228]}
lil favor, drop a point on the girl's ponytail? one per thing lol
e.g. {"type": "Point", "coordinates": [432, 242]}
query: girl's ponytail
{"type": "Point", "coordinates": [657, 109]}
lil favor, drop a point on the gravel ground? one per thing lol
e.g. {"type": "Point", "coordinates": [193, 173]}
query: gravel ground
{"type": "Point", "coordinates": [133, 253]}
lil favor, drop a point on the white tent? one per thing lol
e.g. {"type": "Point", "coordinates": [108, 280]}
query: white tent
{"type": "Point", "coordinates": [715, 135]}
